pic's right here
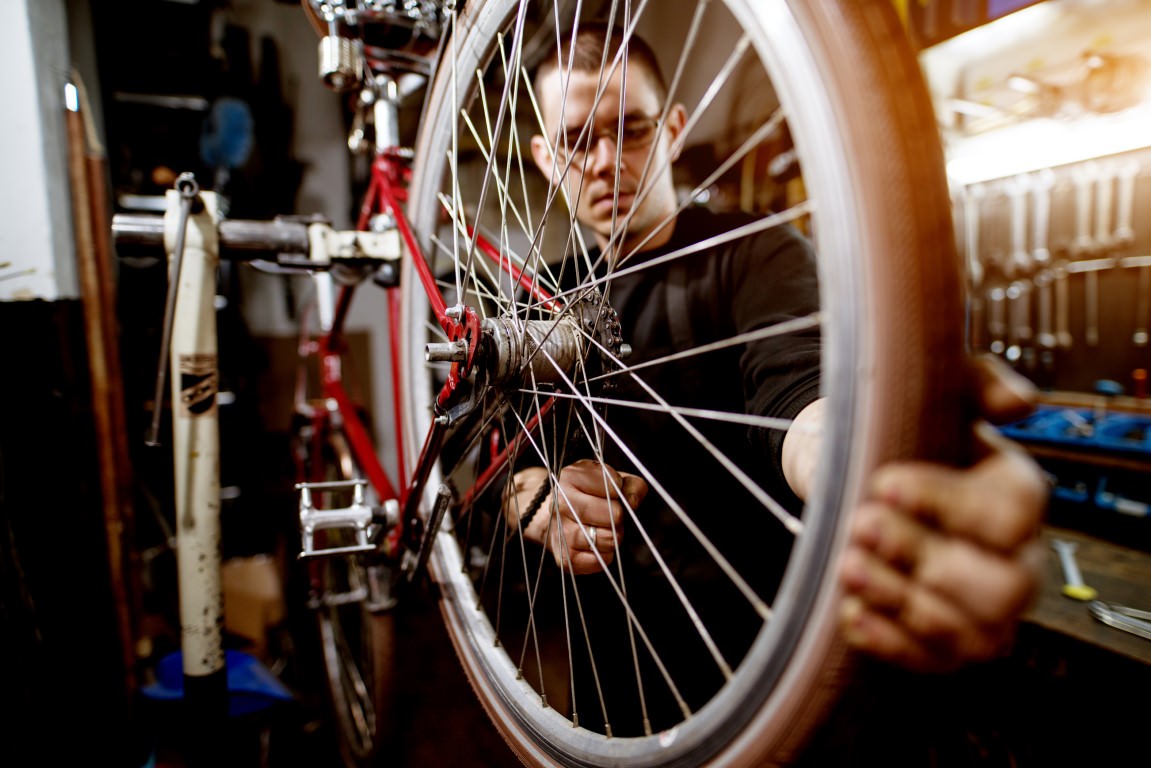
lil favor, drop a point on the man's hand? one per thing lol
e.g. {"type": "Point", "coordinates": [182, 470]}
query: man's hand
{"type": "Point", "coordinates": [583, 515]}
{"type": "Point", "coordinates": [941, 562]}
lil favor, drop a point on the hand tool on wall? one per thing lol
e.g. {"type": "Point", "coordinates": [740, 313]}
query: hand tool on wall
{"type": "Point", "coordinates": [1124, 238]}
{"type": "Point", "coordinates": [1104, 197]}
{"type": "Point", "coordinates": [997, 319]}
{"type": "Point", "coordinates": [1127, 172]}
{"type": "Point", "coordinates": [971, 197]}
{"type": "Point", "coordinates": [1041, 184]}
{"type": "Point", "coordinates": [1018, 271]}
{"type": "Point", "coordinates": [1017, 300]}
{"type": "Point", "coordinates": [1083, 178]}
{"type": "Point", "coordinates": [1063, 338]}
{"type": "Point", "coordinates": [994, 249]}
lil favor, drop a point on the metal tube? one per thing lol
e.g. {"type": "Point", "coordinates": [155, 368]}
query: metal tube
{"type": "Point", "coordinates": [238, 238]}
{"type": "Point", "coordinates": [196, 451]}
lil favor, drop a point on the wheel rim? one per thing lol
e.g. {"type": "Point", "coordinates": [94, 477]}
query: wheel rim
{"type": "Point", "coordinates": [786, 659]}
{"type": "Point", "coordinates": [349, 681]}
{"type": "Point", "coordinates": [352, 664]}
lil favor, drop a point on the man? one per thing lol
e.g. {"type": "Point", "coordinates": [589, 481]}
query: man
{"type": "Point", "coordinates": [941, 561]}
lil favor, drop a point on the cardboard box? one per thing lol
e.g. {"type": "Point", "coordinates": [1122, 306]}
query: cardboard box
{"type": "Point", "coordinates": [253, 599]}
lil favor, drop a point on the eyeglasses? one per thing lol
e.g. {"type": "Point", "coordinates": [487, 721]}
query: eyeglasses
{"type": "Point", "coordinates": [637, 131]}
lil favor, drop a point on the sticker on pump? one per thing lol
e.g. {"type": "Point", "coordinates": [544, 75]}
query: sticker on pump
{"type": "Point", "coordinates": [198, 384]}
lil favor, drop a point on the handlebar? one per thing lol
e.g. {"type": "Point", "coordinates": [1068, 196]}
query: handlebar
{"type": "Point", "coordinates": [239, 239]}
{"type": "Point", "coordinates": [308, 244]}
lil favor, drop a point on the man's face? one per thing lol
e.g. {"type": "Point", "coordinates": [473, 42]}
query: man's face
{"type": "Point", "coordinates": [594, 188]}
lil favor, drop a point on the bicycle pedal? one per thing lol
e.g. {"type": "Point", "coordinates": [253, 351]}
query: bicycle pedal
{"type": "Point", "coordinates": [356, 518]}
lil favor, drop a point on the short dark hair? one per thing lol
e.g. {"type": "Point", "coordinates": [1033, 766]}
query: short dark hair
{"type": "Point", "coordinates": [589, 41]}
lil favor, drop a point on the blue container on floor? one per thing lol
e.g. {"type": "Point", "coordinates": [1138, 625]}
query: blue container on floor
{"type": "Point", "coordinates": [251, 686]}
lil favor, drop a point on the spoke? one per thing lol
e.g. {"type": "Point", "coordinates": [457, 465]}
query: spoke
{"type": "Point", "coordinates": [541, 451]}
{"type": "Point", "coordinates": [615, 582]}
{"type": "Point", "coordinates": [533, 246]}
{"type": "Point", "coordinates": [502, 187]}
{"type": "Point", "coordinates": [789, 521]}
{"type": "Point", "coordinates": [793, 524]}
{"type": "Point", "coordinates": [779, 329]}
{"type": "Point", "coordinates": [500, 117]}
{"type": "Point", "coordinates": [771, 126]}
{"type": "Point", "coordinates": [745, 419]}
{"type": "Point", "coordinates": [633, 620]}
{"type": "Point", "coordinates": [759, 225]}
{"type": "Point", "coordinates": [453, 156]}
{"type": "Point", "coordinates": [557, 190]}
{"type": "Point", "coordinates": [510, 77]}
{"type": "Point", "coordinates": [721, 79]}
{"type": "Point", "coordinates": [480, 287]}
{"type": "Point", "coordinates": [673, 87]}
{"type": "Point", "coordinates": [734, 576]}
{"type": "Point", "coordinates": [717, 85]}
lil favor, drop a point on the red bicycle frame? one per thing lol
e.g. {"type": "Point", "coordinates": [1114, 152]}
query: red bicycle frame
{"type": "Point", "coordinates": [387, 194]}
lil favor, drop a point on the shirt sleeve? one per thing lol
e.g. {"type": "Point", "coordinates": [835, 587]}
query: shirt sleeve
{"type": "Point", "coordinates": [773, 279]}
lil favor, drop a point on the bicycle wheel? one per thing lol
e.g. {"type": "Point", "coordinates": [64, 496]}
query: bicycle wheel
{"type": "Point", "coordinates": [355, 630]}
{"type": "Point", "coordinates": [735, 658]}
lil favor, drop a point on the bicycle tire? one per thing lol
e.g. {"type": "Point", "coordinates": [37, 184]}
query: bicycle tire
{"type": "Point", "coordinates": [355, 639]}
{"type": "Point", "coordinates": [871, 163]}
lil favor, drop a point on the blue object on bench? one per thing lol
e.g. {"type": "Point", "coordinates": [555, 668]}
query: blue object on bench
{"type": "Point", "coordinates": [1077, 428]}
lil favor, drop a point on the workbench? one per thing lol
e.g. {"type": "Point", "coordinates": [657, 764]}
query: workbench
{"type": "Point", "coordinates": [1097, 452]}
{"type": "Point", "coordinates": [1119, 574]}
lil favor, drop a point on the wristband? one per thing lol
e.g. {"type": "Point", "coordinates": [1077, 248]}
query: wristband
{"type": "Point", "coordinates": [535, 504]}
